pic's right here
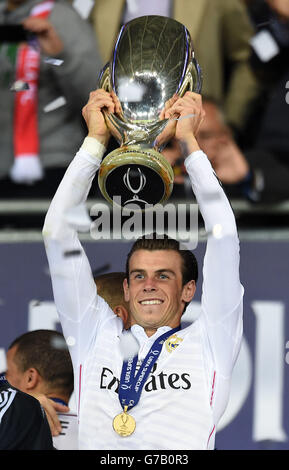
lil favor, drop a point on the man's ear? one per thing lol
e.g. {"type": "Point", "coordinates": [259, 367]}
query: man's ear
{"type": "Point", "coordinates": [189, 291]}
{"type": "Point", "coordinates": [32, 379]}
{"type": "Point", "coordinates": [122, 312]}
{"type": "Point", "coordinates": [125, 290]}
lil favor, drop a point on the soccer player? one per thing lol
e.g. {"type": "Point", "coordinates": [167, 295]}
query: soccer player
{"type": "Point", "coordinates": [39, 364]}
{"type": "Point", "coordinates": [173, 393]}
{"type": "Point", "coordinates": [110, 288]}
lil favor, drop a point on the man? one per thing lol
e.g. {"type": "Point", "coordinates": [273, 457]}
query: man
{"type": "Point", "coordinates": [23, 424]}
{"type": "Point", "coordinates": [41, 125]}
{"type": "Point", "coordinates": [39, 364]}
{"type": "Point", "coordinates": [238, 177]}
{"type": "Point", "coordinates": [110, 288]}
{"type": "Point", "coordinates": [176, 401]}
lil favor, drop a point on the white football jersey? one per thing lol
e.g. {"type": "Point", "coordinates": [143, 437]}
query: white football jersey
{"type": "Point", "coordinates": [187, 390]}
{"type": "Point", "coordinates": [176, 408]}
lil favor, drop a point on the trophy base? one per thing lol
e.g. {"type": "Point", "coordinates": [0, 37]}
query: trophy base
{"type": "Point", "coordinates": [135, 175]}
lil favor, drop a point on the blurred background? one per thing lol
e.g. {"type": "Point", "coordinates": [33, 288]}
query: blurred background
{"type": "Point", "coordinates": [242, 47]}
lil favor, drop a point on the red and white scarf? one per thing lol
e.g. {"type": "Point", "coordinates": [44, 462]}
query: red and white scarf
{"type": "Point", "coordinates": [27, 167]}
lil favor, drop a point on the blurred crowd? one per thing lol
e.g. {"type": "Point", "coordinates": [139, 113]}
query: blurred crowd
{"type": "Point", "coordinates": [48, 68]}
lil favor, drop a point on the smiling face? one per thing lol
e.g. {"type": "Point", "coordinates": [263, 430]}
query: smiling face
{"type": "Point", "coordinates": [155, 291]}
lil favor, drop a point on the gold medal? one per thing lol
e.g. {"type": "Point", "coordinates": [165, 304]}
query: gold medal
{"type": "Point", "coordinates": [124, 424]}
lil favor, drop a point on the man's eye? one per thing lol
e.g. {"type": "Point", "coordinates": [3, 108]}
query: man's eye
{"type": "Point", "coordinates": [139, 276]}
{"type": "Point", "coordinates": [163, 276]}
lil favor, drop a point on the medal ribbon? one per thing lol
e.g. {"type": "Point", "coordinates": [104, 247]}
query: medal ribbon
{"type": "Point", "coordinates": [131, 385]}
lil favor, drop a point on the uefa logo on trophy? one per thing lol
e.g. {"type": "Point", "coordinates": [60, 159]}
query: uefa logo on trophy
{"type": "Point", "coordinates": [153, 60]}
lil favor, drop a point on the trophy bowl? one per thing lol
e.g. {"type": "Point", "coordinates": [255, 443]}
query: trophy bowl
{"type": "Point", "coordinates": [153, 59]}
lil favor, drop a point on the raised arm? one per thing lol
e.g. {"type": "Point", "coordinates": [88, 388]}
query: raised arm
{"type": "Point", "coordinates": [222, 291]}
{"type": "Point", "coordinates": [73, 284]}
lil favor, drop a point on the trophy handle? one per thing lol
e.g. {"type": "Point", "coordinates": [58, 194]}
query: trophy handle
{"type": "Point", "coordinates": [193, 80]}
{"type": "Point", "coordinates": [199, 76]}
{"type": "Point", "coordinates": [104, 79]}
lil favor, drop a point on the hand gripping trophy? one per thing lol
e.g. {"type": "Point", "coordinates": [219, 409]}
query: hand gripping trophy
{"type": "Point", "coordinates": [152, 61]}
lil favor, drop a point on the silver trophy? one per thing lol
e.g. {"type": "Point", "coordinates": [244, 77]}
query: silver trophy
{"type": "Point", "coordinates": [153, 60]}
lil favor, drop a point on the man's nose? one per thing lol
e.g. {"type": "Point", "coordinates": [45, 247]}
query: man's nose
{"type": "Point", "coordinates": [150, 285]}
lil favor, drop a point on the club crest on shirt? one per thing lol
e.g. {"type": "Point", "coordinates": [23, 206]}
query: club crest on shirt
{"type": "Point", "coordinates": [173, 342]}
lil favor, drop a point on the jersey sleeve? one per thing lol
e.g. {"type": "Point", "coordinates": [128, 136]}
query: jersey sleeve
{"type": "Point", "coordinates": [79, 307]}
{"type": "Point", "coordinates": [222, 292]}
